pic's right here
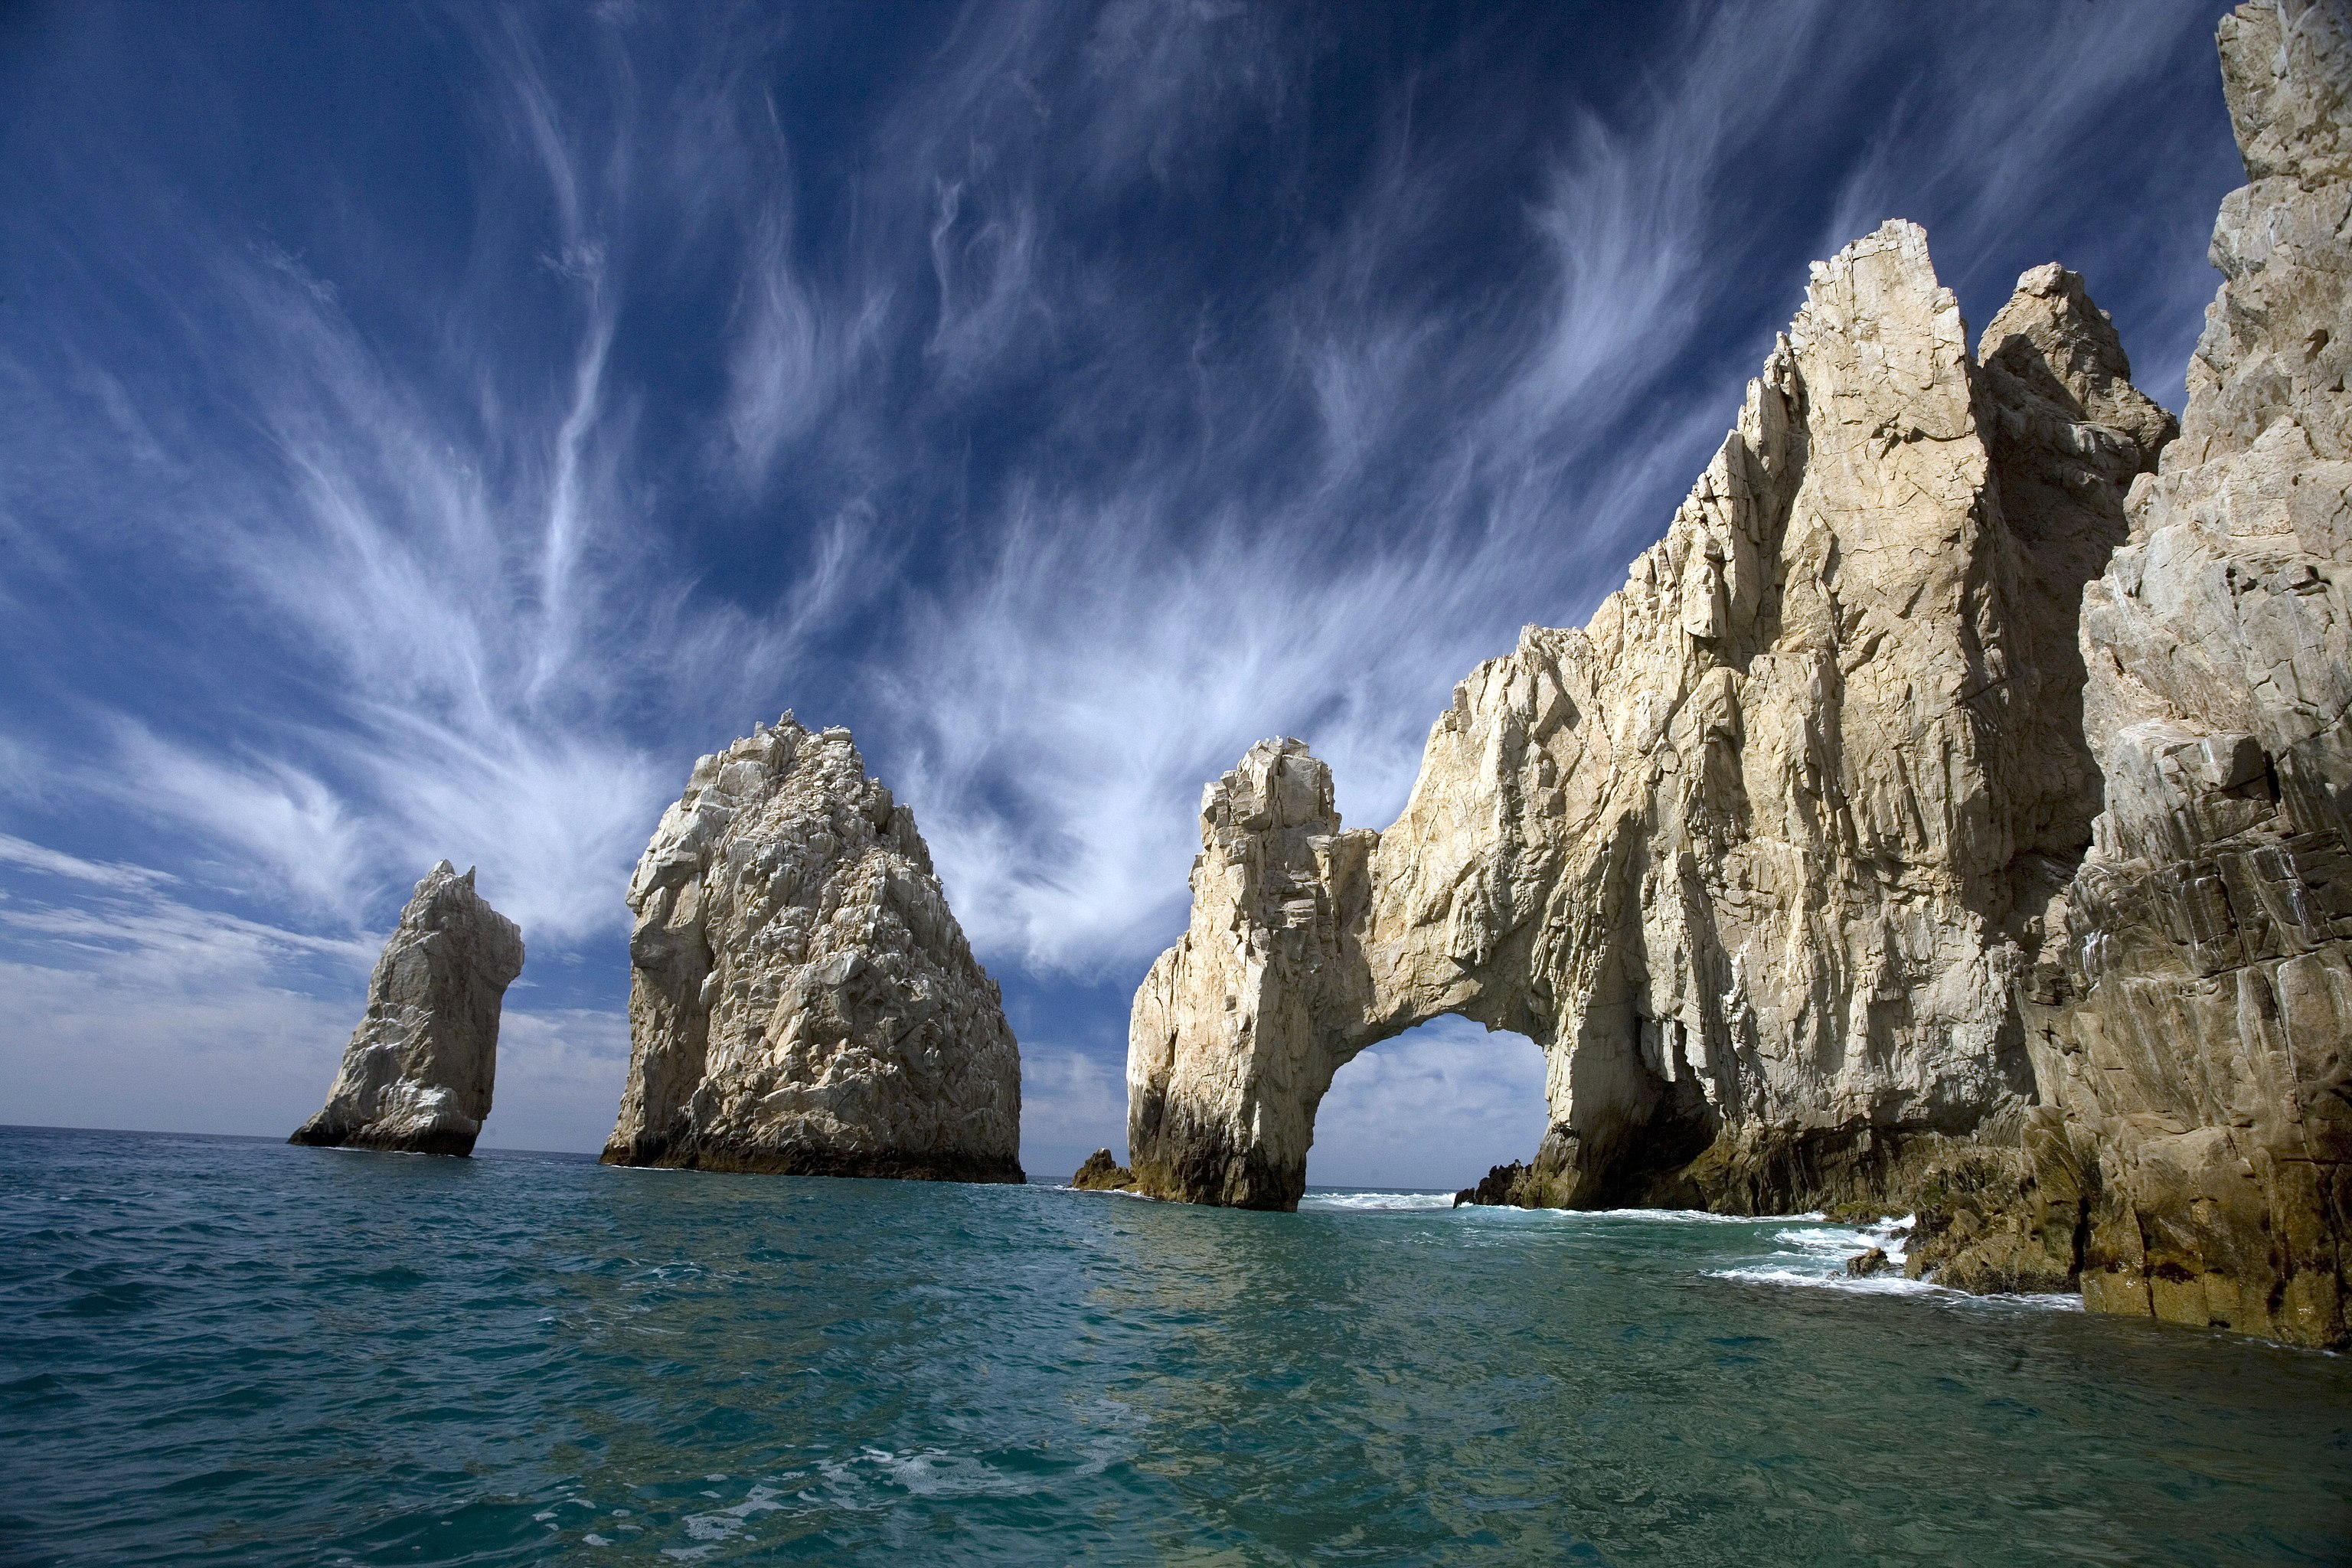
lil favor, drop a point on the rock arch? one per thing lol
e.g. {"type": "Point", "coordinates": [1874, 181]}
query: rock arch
{"type": "Point", "coordinates": [1757, 856]}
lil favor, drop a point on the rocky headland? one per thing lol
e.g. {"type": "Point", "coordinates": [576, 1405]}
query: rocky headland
{"type": "Point", "coordinates": [1948, 811]}
{"type": "Point", "coordinates": [1755, 854]}
{"type": "Point", "coordinates": [417, 1075]}
{"type": "Point", "coordinates": [800, 998]}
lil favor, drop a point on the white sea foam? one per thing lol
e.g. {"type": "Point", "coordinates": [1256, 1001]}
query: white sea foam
{"type": "Point", "coordinates": [1374, 1202]}
{"type": "Point", "coordinates": [1814, 1257]}
{"type": "Point", "coordinates": [1673, 1217]}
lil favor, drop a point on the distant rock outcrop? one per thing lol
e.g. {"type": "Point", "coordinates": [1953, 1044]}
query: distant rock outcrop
{"type": "Point", "coordinates": [1756, 855]}
{"type": "Point", "coordinates": [1101, 1173]}
{"type": "Point", "coordinates": [2191, 1025]}
{"type": "Point", "coordinates": [802, 1001]}
{"type": "Point", "coordinates": [417, 1075]}
{"type": "Point", "coordinates": [1498, 1186]}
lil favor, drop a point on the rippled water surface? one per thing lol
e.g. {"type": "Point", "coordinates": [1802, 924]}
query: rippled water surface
{"type": "Point", "coordinates": [216, 1350]}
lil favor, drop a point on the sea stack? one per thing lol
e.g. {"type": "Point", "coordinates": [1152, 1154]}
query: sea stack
{"type": "Point", "coordinates": [1756, 855]}
{"type": "Point", "coordinates": [802, 1000]}
{"type": "Point", "coordinates": [417, 1076]}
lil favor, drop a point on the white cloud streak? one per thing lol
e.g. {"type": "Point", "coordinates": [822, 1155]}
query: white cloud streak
{"type": "Point", "coordinates": [1010, 425]}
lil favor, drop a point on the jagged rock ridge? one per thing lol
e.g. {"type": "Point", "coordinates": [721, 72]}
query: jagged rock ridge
{"type": "Point", "coordinates": [417, 1075]}
{"type": "Point", "coordinates": [1757, 854]}
{"type": "Point", "coordinates": [1783, 858]}
{"type": "Point", "coordinates": [802, 1000]}
{"type": "Point", "coordinates": [2192, 1033]}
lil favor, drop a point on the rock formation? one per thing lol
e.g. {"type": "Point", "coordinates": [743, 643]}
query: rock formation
{"type": "Point", "coordinates": [1869, 1261]}
{"type": "Point", "coordinates": [1101, 1173]}
{"type": "Point", "coordinates": [1883, 840]}
{"type": "Point", "coordinates": [417, 1075]}
{"type": "Point", "coordinates": [1756, 854]}
{"type": "Point", "coordinates": [802, 1000]}
{"type": "Point", "coordinates": [2192, 1031]}
{"type": "Point", "coordinates": [1498, 1187]}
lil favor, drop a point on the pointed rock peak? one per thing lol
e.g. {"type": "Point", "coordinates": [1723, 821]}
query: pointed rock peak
{"type": "Point", "coordinates": [2286, 71]}
{"type": "Point", "coordinates": [2062, 348]}
{"type": "Point", "coordinates": [1884, 279]}
{"type": "Point", "coordinates": [1277, 784]}
{"type": "Point", "coordinates": [801, 998]}
{"type": "Point", "coordinates": [1882, 341]}
{"type": "Point", "coordinates": [2053, 311]}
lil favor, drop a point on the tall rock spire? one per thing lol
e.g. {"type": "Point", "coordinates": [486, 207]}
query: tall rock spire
{"type": "Point", "coordinates": [417, 1076]}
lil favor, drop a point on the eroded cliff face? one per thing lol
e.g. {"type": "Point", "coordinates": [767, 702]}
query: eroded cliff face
{"type": "Point", "coordinates": [1236, 1031]}
{"type": "Point", "coordinates": [1758, 854]}
{"type": "Point", "coordinates": [2192, 1034]}
{"type": "Point", "coordinates": [416, 1078]}
{"type": "Point", "coordinates": [802, 999]}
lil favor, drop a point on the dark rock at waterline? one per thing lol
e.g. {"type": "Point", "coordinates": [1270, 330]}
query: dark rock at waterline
{"type": "Point", "coordinates": [1101, 1173]}
{"type": "Point", "coordinates": [1862, 1265]}
{"type": "Point", "coordinates": [1503, 1186]}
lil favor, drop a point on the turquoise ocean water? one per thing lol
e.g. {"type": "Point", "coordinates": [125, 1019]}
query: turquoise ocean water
{"type": "Point", "coordinates": [233, 1351]}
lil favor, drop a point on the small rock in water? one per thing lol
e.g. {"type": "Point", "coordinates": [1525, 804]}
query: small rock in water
{"type": "Point", "coordinates": [1862, 1265]}
{"type": "Point", "coordinates": [1500, 1187]}
{"type": "Point", "coordinates": [1101, 1173]}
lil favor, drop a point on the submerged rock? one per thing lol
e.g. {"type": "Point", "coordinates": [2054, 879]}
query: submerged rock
{"type": "Point", "coordinates": [1754, 856]}
{"type": "Point", "coordinates": [1101, 1173]}
{"type": "Point", "coordinates": [417, 1075]}
{"type": "Point", "coordinates": [802, 1000]}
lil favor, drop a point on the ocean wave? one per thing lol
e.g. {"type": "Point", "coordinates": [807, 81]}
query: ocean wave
{"type": "Point", "coordinates": [1374, 1202]}
{"type": "Point", "coordinates": [1680, 1217]}
{"type": "Point", "coordinates": [1815, 1257]}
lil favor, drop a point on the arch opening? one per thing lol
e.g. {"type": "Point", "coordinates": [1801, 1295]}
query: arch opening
{"type": "Point", "coordinates": [1428, 1110]}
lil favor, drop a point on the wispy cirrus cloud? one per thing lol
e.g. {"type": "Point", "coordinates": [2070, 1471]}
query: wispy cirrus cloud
{"type": "Point", "coordinates": [1064, 396]}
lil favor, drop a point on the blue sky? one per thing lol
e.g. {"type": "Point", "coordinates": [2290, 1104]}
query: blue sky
{"type": "Point", "coordinates": [429, 428]}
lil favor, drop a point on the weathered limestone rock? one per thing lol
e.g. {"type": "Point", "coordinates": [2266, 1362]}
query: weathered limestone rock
{"type": "Point", "coordinates": [1238, 1028]}
{"type": "Point", "coordinates": [1757, 855]}
{"type": "Point", "coordinates": [417, 1075]}
{"type": "Point", "coordinates": [802, 1000]}
{"type": "Point", "coordinates": [1101, 1173]}
{"type": "Point", "coordinates": [2192, 1033]}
